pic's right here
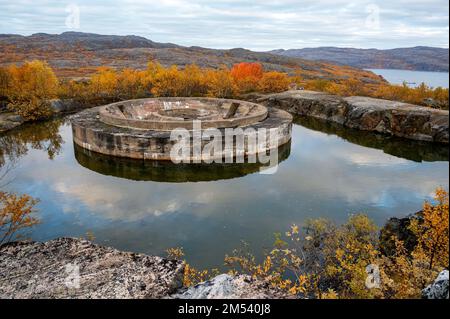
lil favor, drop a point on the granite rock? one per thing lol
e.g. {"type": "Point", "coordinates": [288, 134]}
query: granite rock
{"type": "Point", "coordinates": [439, 288]}
{"type": "Point", "coordinates": [364, 113]}
{"type": "Point", "coordinates": [231, 287]}
{"type": "Point", "coordinates": [76, 268]}
{"type": "Point", "coordinates": [9, 120]}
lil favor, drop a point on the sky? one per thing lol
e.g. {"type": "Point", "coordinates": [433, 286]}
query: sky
{"type": "Point", "coordinates": [256, 25]}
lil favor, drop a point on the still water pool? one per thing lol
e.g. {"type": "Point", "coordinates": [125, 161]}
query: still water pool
{"type": "Point", "coordinates": [327, 171]}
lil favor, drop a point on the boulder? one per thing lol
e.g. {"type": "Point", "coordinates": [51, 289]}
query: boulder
{"type": "Point", "coordinates": [76, 268]}
{"type": "Point", "coordinates": [231, 287]}
{"type": "Point", "coordinates": [438, 289]}
{"type": "Point", "coordinates": [64, 106]}
{"type": "Point", "coordinates": [397, 118]}
{"type": "Point", "coordinates": [9, 120]}
{"type": "Point", "coordinates": [398, 227]}
{"type": "Point", "coordinates": [309, 103]}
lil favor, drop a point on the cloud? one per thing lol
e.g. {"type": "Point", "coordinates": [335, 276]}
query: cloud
{"type": "Point", "coordinates": [322, 172]}
{"type": "Point", "coordinates": [258, 25]}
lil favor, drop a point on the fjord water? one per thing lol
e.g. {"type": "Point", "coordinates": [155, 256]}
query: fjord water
{"type": "Point", "coordinates": [414, 78]}
{"type": "Point", "coordinates": [326, 171]}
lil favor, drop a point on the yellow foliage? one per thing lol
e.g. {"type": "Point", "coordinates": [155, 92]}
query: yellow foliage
{"type": "Point", "coordinates": [30, 88]}
{"type": "Point", "coordinates": [403, 277]}
{"type": "Point", "coordinates": [131, 84]}
{"type": "Point", "coordinates": [5, 82]}
{"type": "Point", "coordinates": [16, 214]}
{"type": "Point", "coordinates": [104, 83]}
{"type": "Point", "coordinates": [167, 82]}
{"type": "Point", "coordinates": [349, 87]}
{"type": "Point", "coordinates": [432, 233]}
{"type": "Point", "coordinates": [191, 275]}
{"type": "Point", "coordinates": [220, 83]}
{"type": "Point", "coordinates": [274, 82]}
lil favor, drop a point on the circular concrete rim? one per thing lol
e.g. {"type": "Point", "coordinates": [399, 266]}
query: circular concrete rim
{"type": "Point", "coordinates": [166, 123]}
{"type": "Point", "coordinates": [92, 134]}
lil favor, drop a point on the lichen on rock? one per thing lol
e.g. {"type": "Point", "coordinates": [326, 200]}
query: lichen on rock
{"type": "Point", "coordinates": [76, 268]}
{"type": "Point", "coordinates": [439, 288]}
{"type": "Point", "coordinates": [364, 113]}
{"type": "Point", "coordinates": [225, 286]}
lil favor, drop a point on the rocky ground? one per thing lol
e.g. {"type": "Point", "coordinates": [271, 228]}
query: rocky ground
{"type": "Point", "coordinates": [438, 289]}
{"type": "Point", "coordinates": [364, 113]}
{"type": "Point", "coordinates": [76, 268]}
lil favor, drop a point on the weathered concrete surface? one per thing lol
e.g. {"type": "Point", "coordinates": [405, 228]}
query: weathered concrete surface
{"type": "Point", "coordinates": [43, 270]}
{"type": "Point", "coordinates": [9, 120]}
{"type": "Point", "coordinates": [363, 113]}
{"type": "Point", "coordinates": [231, 287]}
{"type": "Point", "coordinates": [438, 289]}
{"type": "Point", "coordinates": [92, 134]}
{"type": "Point", "coordinates": [169, 113]}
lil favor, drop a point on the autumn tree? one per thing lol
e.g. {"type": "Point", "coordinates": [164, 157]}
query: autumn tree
{"type": "Point", "coordinates": [104, 84]}
{"type": "Point", "coordinates": [5, 82]}
{"type": "Point", "coordinates": [193, 81]}
{"type": "Point", "coordinates": [32, 86]}
{"type": "Point", "coordinates": [16, 215]}
{"type": "Point", "coordinates": [247, 76]}
{"type": "Point", "coordinates": [273, 82]}
{"type": "Point", "coordinates": [220, 83]}
{"type": "Point", "coordinates": [167, 82]}
{"type": "Point", "coordinates": [432, 232]}
{"type": "Point", "coordinates": [131, 84]}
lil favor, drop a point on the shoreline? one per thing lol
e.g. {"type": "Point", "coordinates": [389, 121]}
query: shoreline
{"type": "Point", "coordinates": [390, 118]}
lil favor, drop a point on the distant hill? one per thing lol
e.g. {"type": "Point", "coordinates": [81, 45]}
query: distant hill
{"type": "Point", "coordinates": [76, 54]}
{"type": "Point", "coordinates": [89, 41]}
{"type": "Point", "coordinates": [416, 58]}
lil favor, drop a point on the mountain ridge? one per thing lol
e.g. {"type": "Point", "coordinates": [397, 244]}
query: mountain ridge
{"type": "Point", "coordinates": [418, 58]}
{"type": "Point", "coordinates": [77, 54]}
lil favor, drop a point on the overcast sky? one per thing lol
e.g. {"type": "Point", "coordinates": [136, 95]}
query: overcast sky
{"type": "Point", "coordinates": [257, 25]}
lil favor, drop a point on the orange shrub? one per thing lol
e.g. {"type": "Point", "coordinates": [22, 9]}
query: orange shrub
{"type": "Point", "coordinates": [246, 76]}
{"type": "Point", "coordinates": [274, 82]}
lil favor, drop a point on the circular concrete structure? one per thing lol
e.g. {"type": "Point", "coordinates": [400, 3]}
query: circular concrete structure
{"type": "Point", "coordinates": [166, 171]}
{"type": "Point", "coordinates": [141, 129]}
{"type": "Point", "coordinates": [174, 113]}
